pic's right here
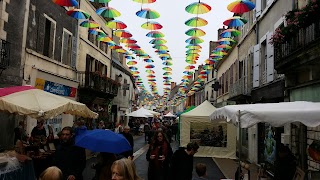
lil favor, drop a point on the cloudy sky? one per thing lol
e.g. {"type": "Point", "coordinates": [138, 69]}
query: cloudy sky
{"type": "Point", "coordinates": [172, 17]}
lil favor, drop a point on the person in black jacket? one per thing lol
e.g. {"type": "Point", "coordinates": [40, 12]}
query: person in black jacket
{"type": "Point", "coordinates": [182, 162]}
{"type": "Point", "coordinates": [129, 137]}
{"type": "Point", "coordinates": [69, 158]}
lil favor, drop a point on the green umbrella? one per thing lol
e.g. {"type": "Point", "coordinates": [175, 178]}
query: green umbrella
{"type": "Point", "coordinates": [196, 22]}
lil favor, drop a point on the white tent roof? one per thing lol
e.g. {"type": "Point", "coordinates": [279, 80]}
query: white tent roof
{"type": "Point", "coordinates": [169, 115]}
{"type": "Point", "coordinates": [153, 112]}
{"type": "Point", "coordinates": [140, 113]}
{"type": "Point", "coordinates": [203, 110]}
{"type": "Point", "coordinates": [276, 114]}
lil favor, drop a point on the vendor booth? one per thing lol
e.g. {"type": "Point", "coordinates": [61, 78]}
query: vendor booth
{"type": "Point", "coordinates": [216, 139]}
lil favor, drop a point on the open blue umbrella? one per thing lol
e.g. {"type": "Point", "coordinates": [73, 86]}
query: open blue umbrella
{"type": "Point", "coordinates": [100, 140]}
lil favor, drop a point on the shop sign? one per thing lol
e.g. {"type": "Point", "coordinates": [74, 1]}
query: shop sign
{"type": "Point", "coordinates": [55, 88]}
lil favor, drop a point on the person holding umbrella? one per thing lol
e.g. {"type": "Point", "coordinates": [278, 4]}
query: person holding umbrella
{"type": "Point", "coordinates": [129, 137]}
{"type": "Point", "coordinates": [69, 158]}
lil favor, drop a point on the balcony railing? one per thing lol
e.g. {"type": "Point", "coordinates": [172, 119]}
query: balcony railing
{"type": "Point", "coordinates": [96, 81]}
{"type": "Point", "coordinates": [4, 54]}
{"type": "Point", "coordinates": [240, 86]}
{"type": "Point", "coordinates": [298, 42]}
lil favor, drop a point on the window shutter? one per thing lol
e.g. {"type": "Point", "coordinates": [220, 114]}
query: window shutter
{"type": "Point", "coordinates": [65, 48]}
{"type": "Point", "coordinates": [74, 52]}
{"type": "Point", "coordinates": [51, 41]}
{"type": "Point", "coordinates": [256, 61]}
{"type": "Point", "coordinates": [41, 31]}
{"type": "Point", "coordinates": [270, 59]}
{"type": "Point", "coordinates": [258, 8]}
{"type": "Point", "coordinates": [231, 74]}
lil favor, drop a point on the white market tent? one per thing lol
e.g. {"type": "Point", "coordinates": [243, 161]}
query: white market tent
{"type": "Point", "coordinates": [276, 114]}
{"type": "Point", "coordinates": [170, 115]}
{"type": "Point", "coordinates": [198, 118]}
{"type": "Point", "coordinates": [153, 112]}
{"type": "Point", "coordinates": [140, 113]}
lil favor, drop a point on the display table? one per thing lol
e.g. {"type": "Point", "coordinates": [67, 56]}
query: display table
{"type": "Point", "coordinates": [24, 172]}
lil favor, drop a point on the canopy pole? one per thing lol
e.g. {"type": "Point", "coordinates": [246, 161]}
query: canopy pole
{"type": "Point", "coordinates": [239, 144]}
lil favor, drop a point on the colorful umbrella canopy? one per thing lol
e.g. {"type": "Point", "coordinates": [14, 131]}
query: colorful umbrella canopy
{"type": "Point", "coordinates": [122, 33]}
{"type": "Point", "coordinates": [148, 13]}
{"type": "Point", "coordinates": [150, 71]}
{"type": "Point", "coordinates": [131, 63]}
{"type": "Point", "coordinates": [155, 34]}
{"type": "Point", "coordinates": [149, 66]}
{"type": "Point", "coordinates": [89, 24]}
{"type": "Point", "coordinates": [67, 3]}
{"type": "Point", "coordinates": [193, 46]}
{"type": "Point", "coordinates": [160, 47]}
{"type": "Point", "coordinates": [167, 73]}
{"type": "Point", "coordinates": [127, 40]}
{"type": "Point", "coordinates": [195, 32]}
{"type": "Point", "coordinates": [194, 40]}
{"type": "Point", "coordinates": [224, 46]}
{"type": "Point", "coordinates": [229, 33]}
{"type": "Point", "coordinates": [116, 24]}
{"type": "Point", "coordinates": [167, 63]}
{"type": "Point", "coordinates": [198, 8]}
{"type": "Point", "coordinates": [100, 1]}
{"type": "Point", "coordinates": [167, 69]}
{"type": "Point", "coordinates": [108, 12]}
{"type": "Point", "coordinates": [78, 14]}
{"type": "Point", "coordinates": [133, 68]}
{"type": "Point", "coordinates": [152, 25]}
{"type": "Point", "coordinates": [145, 1]}
{"type": "Point", "coordinates": [148, 60]}
{"type": "Point", "coordinates": [235, 21]}
{"type": "Point", "coordinates": [158, 41]}
{"type": "Point", "coordinates": [196, 22]}
{"type": "Point", "coordinates": [241, 6]}
{"type": "Point", "coordinates": [96, 31]}
{"type": "Point", "coordinates": [129, 57]}
{"type": "Point", "coordinates": [226, 39]}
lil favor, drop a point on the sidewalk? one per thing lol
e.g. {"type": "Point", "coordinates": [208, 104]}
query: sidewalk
{"type": "Point", "coordinates": [229, 166]}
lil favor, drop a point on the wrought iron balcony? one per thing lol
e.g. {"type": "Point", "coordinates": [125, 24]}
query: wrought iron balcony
{"type": "Point", "coordinates": [98, 82]}
{"type": "Point", "coordinates": [4, 54]}
{"type": "Point", "coordinates": [304, 42]}
{"type": "Point", "coordinates": [241, 86]}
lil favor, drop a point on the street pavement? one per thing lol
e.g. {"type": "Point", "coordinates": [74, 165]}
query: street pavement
{"type": "Point", "coordinates": [140, 150]}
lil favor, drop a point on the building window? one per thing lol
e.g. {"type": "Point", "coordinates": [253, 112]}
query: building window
{"type": "Point", "coordinates": [66, 47]}
{"type": "Point", "coordinates": [263, 62]}
{"type": "Point", "coordinates": [263, 4]}
{"type": "Point", "coordinates": [124, 89]}
{"type": "Point", "coordinates": [49, 36]}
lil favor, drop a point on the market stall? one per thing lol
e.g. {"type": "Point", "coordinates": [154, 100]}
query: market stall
{"type": "Point", "coordinates": [215, 139]}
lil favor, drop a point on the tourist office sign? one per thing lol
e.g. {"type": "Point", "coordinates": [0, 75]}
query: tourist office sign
{"type": "Point", "coordinates": [55, 88]}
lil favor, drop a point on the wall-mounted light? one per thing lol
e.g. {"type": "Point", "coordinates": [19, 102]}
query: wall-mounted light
{"type": "Point", "coordinates": [119, 78]}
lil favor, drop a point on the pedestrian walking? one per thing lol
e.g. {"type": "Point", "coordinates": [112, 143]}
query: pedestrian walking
{"type": "Point", "coordinates": [124, 169]}
{"type": "Point", "coordinates": [129, 137]}
{"type": "Point", "coordinates": [146, 130]}
{"type": "Point", "coordinates": [69, 158]}
{"type": "Point", "coordinates": [103, 166]}
{"type": "Point", "coordinates": [182, 162]}
{"type": "Point", "coordinates": [159, 155]}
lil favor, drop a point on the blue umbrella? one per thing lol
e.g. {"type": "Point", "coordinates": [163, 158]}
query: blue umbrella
{"type": "Point", "coordinates": [99, 140]}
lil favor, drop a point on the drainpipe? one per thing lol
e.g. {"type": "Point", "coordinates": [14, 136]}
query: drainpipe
{"type": "Point", "coordinates": [24, 42]}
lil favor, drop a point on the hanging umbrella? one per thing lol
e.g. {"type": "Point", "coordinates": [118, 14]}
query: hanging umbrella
{"type": "Point", "coordinates": [209, 62]}
{"type": "Point", "coordinates": [195, 32]}
{"type": "Point", "coordinates": [116, 24]}
{"type": "Point", "coordinates": [148, 60]}
{"type": "Point", "coordinates": [194, 40]}
{"type": "Point", "coordinates": [96, 31]}
{"type": "Point", "coordinates": [151, 25]}
{"type": "Point", "coordinates": [167, 63]}
{"type": "Point", "coordinates": [241, 6]}
{"type": "Point", "coordinates": [37, 103]}
{"type": "Point", "coordinates": [160, 47]}
{"type": "Point", "coordinates": [226, 39]}
{"type": "Point", "coordinates": [149, 66]}
{"type": "Point", "coordinates": [122, 33]}
{"type": "Point", "coordinates": [224, 46]}
{"type": "Point", "coordinates": [145, 1]}
{"type": "Point", "coordinates": [193, 46]}
{"type": "Point", "coordinates": [198, 8]}
{"type": "Point", "coordinates": [78, 14]}
{"type": "Point", "coordinates": [167, 69]}
{"type": "Point", "coordinates": [108, 12]}
{"type": "Point", "coordinates": [100, 1]}
{"type": "Point", "coordinates": [148, 13]}
{"type": "Point", "coordinates": [129, 57]}
{"type": "Point", "coordinates": [196, 22]}
{"type": "Point", "coordinates": [155, 34]}
{"type": "Point", "coordinates": [150, 71]}
{"type": "Point", "coordinates": [127, 40]}
{"type": "Point", "coordinates": [167, 73]}
{"type": "Point", "coordinates": [235, 21]}
{"type": "Point", "coordinates": [229, 33]}
{"type": "Point", "coordinates": [133, 68]}
{"type": "Point", "coordinates": [89, 24]}
{"type": "Point", "coordinates": [158, 41]}
{"type": "Point", "coordinates": [68, 3]}
{"type": "Point", "coordinates": [131, 63]}
{"type": "Point", "coordinates": [100, 140]}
